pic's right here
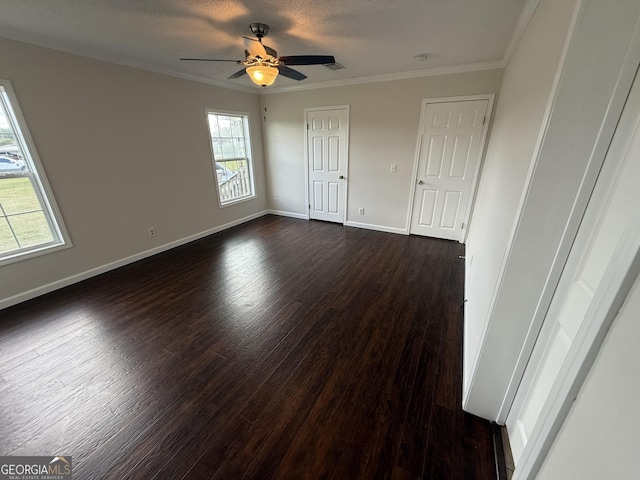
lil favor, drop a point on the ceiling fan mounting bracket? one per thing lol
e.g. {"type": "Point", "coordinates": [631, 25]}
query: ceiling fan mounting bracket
{"type": "Point", "coordinates": [259, 29]}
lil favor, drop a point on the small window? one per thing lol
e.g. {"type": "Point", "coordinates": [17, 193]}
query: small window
{"type": "Point", "coordinates": [29, 224]}
{"type": "Point", "coordinates": [231, 148]}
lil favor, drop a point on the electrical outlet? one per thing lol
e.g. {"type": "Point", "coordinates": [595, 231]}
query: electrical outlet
{"type": "Point", "coordinates": [152, 232]}
{"type": "Point", "coordinates": [361, 211]}
{"type": "Point", "coordinates": [393, 168]}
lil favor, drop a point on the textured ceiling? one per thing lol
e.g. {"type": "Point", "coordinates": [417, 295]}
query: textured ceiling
{"type": "Point", "coordinates": [368, 37]}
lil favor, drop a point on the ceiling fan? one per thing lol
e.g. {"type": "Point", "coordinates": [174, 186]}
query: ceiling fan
{"type": "Point", "coordinates": [262, 63]}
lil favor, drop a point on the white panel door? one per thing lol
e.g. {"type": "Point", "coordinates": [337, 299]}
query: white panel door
{"type": "Point", "coordinates": [327, 157]}
{"type": "Point", "coordinates": [614, 199]}
{"type": "Point", "coordinates": [450, 145]}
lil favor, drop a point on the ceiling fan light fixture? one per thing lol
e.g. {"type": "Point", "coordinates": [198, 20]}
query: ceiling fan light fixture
{"type": "Point", "coordinates": [262, 75]}
{"type": "Point", "coordinates": [262, 63]}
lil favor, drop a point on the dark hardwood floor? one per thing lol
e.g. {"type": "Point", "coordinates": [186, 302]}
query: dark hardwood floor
{"type": "Point", "coordinates": [277, 349]}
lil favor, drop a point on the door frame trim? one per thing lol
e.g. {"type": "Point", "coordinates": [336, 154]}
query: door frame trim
{"type": "Point", "coordinates": [306, 110]}
{"type": "Point", "coordinates": [621, 274]}
{"type": "Point", "coordinates": [481, 153]}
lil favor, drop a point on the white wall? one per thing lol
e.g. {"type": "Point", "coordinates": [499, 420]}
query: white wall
{"type": "Point", "coordinates": [601, 436]}
{"type": "Point", "coordinates": [384, 120]}
{"type": "Point", "coordinates": [525, 96]}
{"type": "Point", "coordinates": [123, 149]}
{"type": "Point", "coordinates": [525, 100]}
{"type": "Point", "coordinates": [594, 81]}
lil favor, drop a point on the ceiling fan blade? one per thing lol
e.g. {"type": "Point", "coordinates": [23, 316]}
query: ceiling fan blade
{"type": "Point", "coordinates": [291, 73]}
{"type": "Point", "coordinates": [238, 74]}
{"type": "Point", "coordinates": [254, 47]}
{"type": "Point", "coordinates": [270, 51]}
{"type": "Point", "coordinates": [209, 60]}
{"type": "Point", "coordinates": [308, 59]}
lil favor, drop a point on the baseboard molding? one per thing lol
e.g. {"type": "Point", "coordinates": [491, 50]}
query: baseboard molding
{"type": "Point", "coordinates": [50, 287]}
{"type": "Point", "coordinates": [282, 213]}
{"type": "Point", "coordinates": [379, 228]}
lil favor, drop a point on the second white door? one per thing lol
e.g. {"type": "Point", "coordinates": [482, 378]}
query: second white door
{"type": "Point", "coordinates": [450, 145]}
{"type": "Point", "coordinates": [327, 157]}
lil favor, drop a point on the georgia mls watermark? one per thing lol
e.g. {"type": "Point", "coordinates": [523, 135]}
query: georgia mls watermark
{"type": "Point", "coordinates": [35, 468]}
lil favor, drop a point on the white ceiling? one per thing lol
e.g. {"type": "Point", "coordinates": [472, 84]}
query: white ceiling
{"type": "Point", "coordinates": [371, 38]}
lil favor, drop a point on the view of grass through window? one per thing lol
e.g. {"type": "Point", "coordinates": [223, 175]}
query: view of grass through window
{"type": "Point", "coordinates": [22, 223]}
{"type": "Point", "coordinates": [24, 219]}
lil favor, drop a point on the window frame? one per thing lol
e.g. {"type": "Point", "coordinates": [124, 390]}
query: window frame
{"type": "Point", "coordinates": [39, 182]}
{"type": "Point", "coordinates": [246, 122]}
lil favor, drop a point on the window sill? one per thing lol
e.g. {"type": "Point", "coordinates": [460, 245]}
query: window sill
{"type": "Point", "coordinates": [236, 201]}
{"type": "Point", "coordinates": [36, 252]}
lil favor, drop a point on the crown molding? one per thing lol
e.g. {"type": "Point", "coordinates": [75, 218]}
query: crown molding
{"type": "Point", "coordinates": [74, 49]}
{"type": "Point", "coordinates": [430, 72]}
{"type": "Point", "coordinates": [523, 21]}
{"type": "Point", "coordinates": [81, 51]}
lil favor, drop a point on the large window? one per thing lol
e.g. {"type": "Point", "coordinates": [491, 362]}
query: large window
{"type": "Point", "coordinates": [231, 147]}
{"type": "Point", "coordinates": [28, 221]}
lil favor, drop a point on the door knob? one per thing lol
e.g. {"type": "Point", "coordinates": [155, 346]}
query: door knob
{"type": "Point", "coordinates": [341, 177]}
{"type": "Point", "coordinates": [420, 182]}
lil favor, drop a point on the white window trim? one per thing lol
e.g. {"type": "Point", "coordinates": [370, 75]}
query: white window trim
{"type": "Point", "coordinates": [44, 191]}
{"type": "Point", "coordinates": [249, 150]}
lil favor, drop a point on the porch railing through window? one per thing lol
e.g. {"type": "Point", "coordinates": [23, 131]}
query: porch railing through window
{"type": "Point", "coordinates": [234, 184]}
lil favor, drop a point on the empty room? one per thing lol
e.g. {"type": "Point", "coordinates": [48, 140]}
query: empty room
{"type": "Point", "coordinates": [356, 240]}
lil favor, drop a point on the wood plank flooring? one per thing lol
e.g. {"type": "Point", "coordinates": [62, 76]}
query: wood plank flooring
{"type": "Point", "coordinates": [277, 349]}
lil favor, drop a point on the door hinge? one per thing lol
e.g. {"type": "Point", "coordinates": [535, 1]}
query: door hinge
{"type": "Point", "coordinates": [307, 126]}
{"type": "Point", "coordinates": [484, 120]}
{"type": "Point", "coordinates": [462, 226]}
{"type": "Point", "coordinates": [309, 206]}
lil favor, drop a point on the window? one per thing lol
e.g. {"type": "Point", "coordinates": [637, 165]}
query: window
{"type": "Point", "coordinates": [231, 147]}
{"type": "Point", "coordinates": [29, 223]}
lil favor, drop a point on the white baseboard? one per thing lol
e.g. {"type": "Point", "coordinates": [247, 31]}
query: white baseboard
{"type": "Point", "coordinates": [379, 228]}
{"type": "Point", "coordinates": [50, 287]}
{"type": "Point", "coordinates": [282, 213]}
